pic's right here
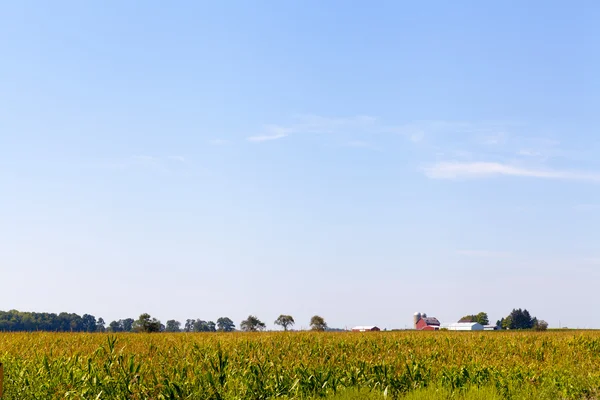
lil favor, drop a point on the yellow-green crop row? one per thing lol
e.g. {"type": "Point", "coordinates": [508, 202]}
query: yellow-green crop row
{"type": "Point", "coordinates": [295, 364]}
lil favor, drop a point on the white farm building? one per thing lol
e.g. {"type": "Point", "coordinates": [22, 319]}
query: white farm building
{"type": "Point", "coordinates": [465, 326]}
{"type": "Point", "coordinates": [370, 328]}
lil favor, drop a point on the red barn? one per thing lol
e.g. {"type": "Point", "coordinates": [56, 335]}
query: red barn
{"type": "Point", "coordinates": [425, 323]}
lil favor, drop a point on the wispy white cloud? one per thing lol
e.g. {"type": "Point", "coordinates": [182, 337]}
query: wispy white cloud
{"type": "Point", "coordinates": [314, 124]}
{"type": "Point", "coordinates": [272, 132]}
{"type": "Point", "coordinates": [473, 170]}
{"type": "Point", "coordinates": [265, 138]}
{"type": "Point", "coordinates": [483, 253]}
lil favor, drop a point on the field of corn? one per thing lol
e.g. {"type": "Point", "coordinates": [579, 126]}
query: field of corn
{"type": "Point", "coordinates": [301, 365]}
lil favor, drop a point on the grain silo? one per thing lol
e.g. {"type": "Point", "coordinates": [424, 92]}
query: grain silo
{"type": "Point", "coordinates": [416, 319]}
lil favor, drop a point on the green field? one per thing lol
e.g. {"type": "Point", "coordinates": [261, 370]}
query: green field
{"type": "Point", "coordinates": [299, 365]}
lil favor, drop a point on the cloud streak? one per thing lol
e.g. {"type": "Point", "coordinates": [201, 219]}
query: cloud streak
{"type": "Point", "coordinates": [314, 124]}
{"type": "Point", "coordinates": [480, 170]}
{"type": "Point", "coordinates": [266, 138]}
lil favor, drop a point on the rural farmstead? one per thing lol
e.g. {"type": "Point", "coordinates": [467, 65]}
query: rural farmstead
{"type": "Point", "coordinates": [365, 329]}
{"type": "Point", "coordinates": [425, 323]}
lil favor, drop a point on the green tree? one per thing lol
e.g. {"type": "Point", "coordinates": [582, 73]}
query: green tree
{"type": "Point", "coordinates": [317, 323]}
{"type": "Point", "coordinates": [203, 326]}
{"type": "Point", "coordinates": [212, 327]}
{"type": "Point", "coordinates": [126, 324]}
{"type": "Point", "coordinates": [252, 324]}
{"type": "Point", "coordinates": [114, 326]}
{"type": "Point", "coordinates": [225, 324]}
{"type": "Point", "coordinates": [481, 318]}
{"type": "Point", "coordinates": [540, 325]}
{"type": "Point", "coordinates": [88, 323]}
{"type": "Point", "coordinates": [173, 326]}
{"type": "Point", "coordinates": [100, 325]}
{"type": "Point", "coordinates": [285, 321]}
{"type": "Point", "coordinates": [189, 325]}
{"type": "Point", "coordinates": [521, 319]}
{"type": "Point", "coordinates": [145, 323]}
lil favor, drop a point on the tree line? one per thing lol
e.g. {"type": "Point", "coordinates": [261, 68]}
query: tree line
{"type": "Point", "coordinates": [17, 321]}
{"type": "Point", "coordinates": [517, 319]}
{"type": "Point", "coordinates": [522, 319]}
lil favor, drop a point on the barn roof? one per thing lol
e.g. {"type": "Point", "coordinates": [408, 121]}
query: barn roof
{"type": "Point", "coordinates": [431, 321]}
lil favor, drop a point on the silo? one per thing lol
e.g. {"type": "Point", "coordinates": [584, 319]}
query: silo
{"type": "Point", "coordinates": [417, 317]}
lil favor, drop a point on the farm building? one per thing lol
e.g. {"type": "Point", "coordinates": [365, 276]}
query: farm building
{"type": "Point", "coordinates": [465, 326]}
{"type": "Point", "coordinates": [490, 327]}
{"type": "Point", "coordinates": [425, 323]}
{"type": "Point", "coordinates": [370, 328]}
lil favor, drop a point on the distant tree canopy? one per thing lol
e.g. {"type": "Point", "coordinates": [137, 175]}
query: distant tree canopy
{"type": "Point", "coordinates": [521, 319]}
{"type": "Point", "coordinates": [122, 325]}
{"type": "Point", "coordinates": [173, 326]}
{"type": "Point", "coordinates": [145, 323]}
{"type": "Point", "coordinates": [252, 324]}
{"type": "Point", "coordinates": [100, 325]}
{"type": "Point", "coordinates": [199, 325]}
{"type": "Point", "coordinates": [284, 321]}
{"type": "Point", "coordinates": [225, 324]}
{"type": "Point", "coordinates": [481, 318]}
{"type": "Point", "coordinates": [540, 325]}
{"type": "Point", "coordinates": [15, 321]}
{"type": "Point", "coordinates": [317, 323]}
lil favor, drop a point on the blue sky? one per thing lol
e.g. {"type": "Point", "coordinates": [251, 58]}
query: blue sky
{"type": "Point", "coordinates": [359, 161]}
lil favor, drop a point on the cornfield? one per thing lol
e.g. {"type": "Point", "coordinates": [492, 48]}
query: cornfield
{"type": "Point", "coordinates": [296, 365]}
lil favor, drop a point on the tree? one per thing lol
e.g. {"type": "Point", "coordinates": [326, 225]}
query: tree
{"type": "Point", "coordinates": [225, 324]}
{"type": "Point", "coordinates": [317, 323]}
{"type": "Point", "coordinates": [115, 327]}
{"type": "Point", "coordinates": [146, 324]}
{"type": "Point", "coordinates": [100, 325]}
{"type": "Point", "coordinates": [122, 325]}
{"type": "Point", "coordinates": [519, 319]}
{"type": "Point", "coordinates": [88, 323]}
{"type": "Point", "coordinates": [252, 324]}
{"type": "Point", "coordinates": [481, 318]}
{"type": "Point", "coordinates": [285, 321]}
{"type": "Point", "coordinates": [212, 327]}
{"type": "Point", "coordinates": [540, 325]}
{"type": "Point", "coordinates": [189, 325]}
{"type": "Point", "coordinates": [173, 326]}
{"type": "Point", "coordinates": [201, 326]}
